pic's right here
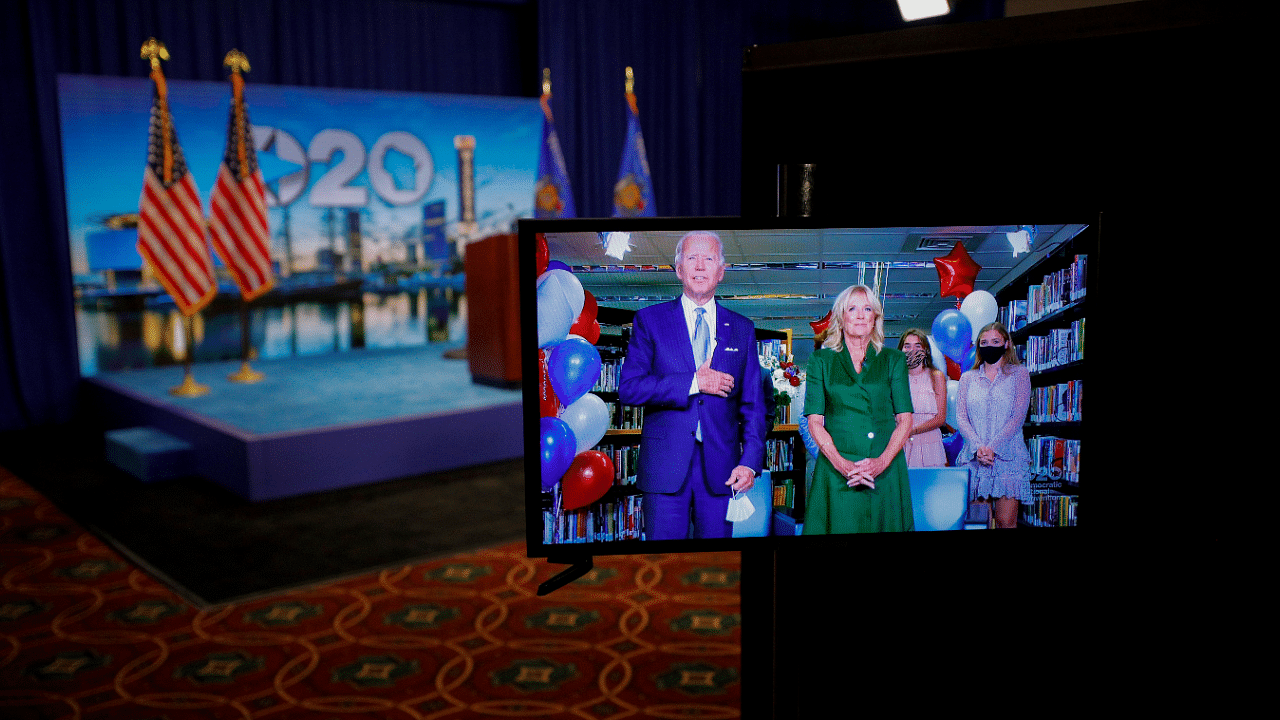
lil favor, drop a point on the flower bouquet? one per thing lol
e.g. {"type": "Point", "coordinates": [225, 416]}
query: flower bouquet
{"type": "Point", "coordinates": [788, 383]}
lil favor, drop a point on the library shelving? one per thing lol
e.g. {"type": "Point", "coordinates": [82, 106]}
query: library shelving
{"type": "Point", "coordinates": [1045, 310]}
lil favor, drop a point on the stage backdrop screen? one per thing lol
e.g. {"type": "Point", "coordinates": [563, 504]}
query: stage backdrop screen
{"type": "Point", "coordinates": [369, 195]}
{"type": "Point", "coordinates": [616, 409]}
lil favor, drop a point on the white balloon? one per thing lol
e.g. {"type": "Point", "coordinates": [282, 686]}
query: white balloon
{"type": "Point", "coordinates": [980, 308]}
{"type": "Point", "coordinates": [953, 402]}
{"type": "Point", "coordinates": [555, 317]}
{"type": "Point", "coordinates": [939, 358]}
{"type": "Point", "coordinates": [588, 418]}
{"type": "Point", "coordinates": [565, 283]}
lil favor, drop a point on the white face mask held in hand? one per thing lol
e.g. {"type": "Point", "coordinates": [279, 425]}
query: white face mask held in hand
{"type": "Point", "coordinates": [740, 507]}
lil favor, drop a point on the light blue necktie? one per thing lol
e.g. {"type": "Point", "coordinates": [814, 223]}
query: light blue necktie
{"type": "Point", "coordinates": [701, 345]}
{"type": "Point", "coordinates": [701, 337]}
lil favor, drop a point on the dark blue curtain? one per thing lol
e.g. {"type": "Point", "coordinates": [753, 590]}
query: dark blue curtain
{"type": "Point", "coordinates": [687, 56]}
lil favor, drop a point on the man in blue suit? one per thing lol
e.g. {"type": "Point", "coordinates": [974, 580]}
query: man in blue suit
{"type": "Point", "coordinates": [692, 364]}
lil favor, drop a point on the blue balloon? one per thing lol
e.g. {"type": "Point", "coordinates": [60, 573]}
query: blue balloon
{"type": "Point", "coordinates": [953, 333]}
{"type": "Point", "coordinates": [558, 446]}
{"type": "Point", "coordinates": [574, 368]}
{"type": "Point", "coordinates": [970, 358]}
{"type": "Point", "coordinates": [952, 443]}
{"type": "Point", "coordinates": [557, 265]}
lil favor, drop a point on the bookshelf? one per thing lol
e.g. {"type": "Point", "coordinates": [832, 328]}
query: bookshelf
{"type": "Point", "coordinates": [617, 515]}
{"type": "Point", "coordinates": [1046, 310]}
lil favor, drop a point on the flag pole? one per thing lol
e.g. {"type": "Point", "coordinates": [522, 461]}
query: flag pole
{"type": "Point", "coordinates": [238, 63]}
{"type": "Point", "coordinates": [155, 51]}
{"type": "Point", "coordinates": [189, 386]}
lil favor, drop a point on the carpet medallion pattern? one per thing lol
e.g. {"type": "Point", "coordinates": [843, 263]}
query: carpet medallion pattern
{"type": "Point", "coordinates": [86, 634]}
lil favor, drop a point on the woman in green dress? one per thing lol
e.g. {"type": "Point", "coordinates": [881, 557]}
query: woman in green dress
{"type": "Point", "coordinates": [858, 399]}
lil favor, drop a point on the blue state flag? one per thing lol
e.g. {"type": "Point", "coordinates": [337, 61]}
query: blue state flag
{"type": "Point", "coordinates": [633, 192]}
{"type": "Point", "coordinates": [553, 198]}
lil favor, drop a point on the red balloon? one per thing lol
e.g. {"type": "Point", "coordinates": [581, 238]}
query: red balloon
{"type": "Point", "coordinates": [956, 272]}
{"type": "Point", "coordinates": [953, 369]}
{"type": "Point", "coordinates": [548, 403]}
{"type": "Point", "coordinates": [586, 324]}
{"type": "Point", "coordinates": [544, 254]}
{"type": "Point", "coordinates": [587, 479]}
{"type": "Point", "coordinates": [820, 326]}
{"type": "Point", "coordinates": [590, 333]}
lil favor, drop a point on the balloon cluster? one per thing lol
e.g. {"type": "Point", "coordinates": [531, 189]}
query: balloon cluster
{"type": "Point", "coordinates": [955, 331]}
{"type": "Point", "coordinates": [572, 419]}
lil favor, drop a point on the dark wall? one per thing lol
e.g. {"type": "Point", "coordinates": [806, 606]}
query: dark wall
{"type": "Point", "coordinates": [1142, 112]}
{"type": "Point", "coordinates": [1111, 106]}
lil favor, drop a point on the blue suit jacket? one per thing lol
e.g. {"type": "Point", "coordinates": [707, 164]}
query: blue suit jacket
{"type": "Point", "coordinates": [657, 374]}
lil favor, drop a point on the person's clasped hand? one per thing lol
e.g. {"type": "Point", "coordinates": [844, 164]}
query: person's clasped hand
{"type": "Point", "coordinates": [985, 456]}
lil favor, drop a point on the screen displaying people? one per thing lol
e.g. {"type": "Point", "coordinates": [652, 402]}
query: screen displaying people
{"type": "Point", "coordinates": [692, 365]}
{"type": "Point", "coordinates": [709, 394]}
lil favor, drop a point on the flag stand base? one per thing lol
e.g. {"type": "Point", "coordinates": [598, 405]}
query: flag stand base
{"type": "Point", "coordinates": [246, 375]}
{"type": "Point", "coordinates": [189, 388]}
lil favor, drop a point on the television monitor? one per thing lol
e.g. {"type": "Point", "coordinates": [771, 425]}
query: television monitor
{"type": "Point", "coordinates": [583, 280]}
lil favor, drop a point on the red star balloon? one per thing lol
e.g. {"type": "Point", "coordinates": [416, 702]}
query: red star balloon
{"type": "Point", "coordinates": [956, 272]}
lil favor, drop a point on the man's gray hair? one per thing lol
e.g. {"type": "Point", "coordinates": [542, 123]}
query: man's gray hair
{"type": "Point", "coordinates": [707, 233]}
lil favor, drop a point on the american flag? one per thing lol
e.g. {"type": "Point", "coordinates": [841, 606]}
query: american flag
{"type": "Point", "coordinates": [238, 218]}
{"type": "Point", "coordinates": [171, 236]}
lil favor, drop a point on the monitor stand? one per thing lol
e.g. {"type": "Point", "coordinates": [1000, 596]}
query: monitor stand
{"type": "Point", "coordinates": [577, 568]}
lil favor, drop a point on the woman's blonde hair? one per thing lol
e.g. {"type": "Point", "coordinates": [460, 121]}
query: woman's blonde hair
{"type": "Point", "coordinates": [835, 333]}
{"type": "Point", "coordinates": [1010, 352]}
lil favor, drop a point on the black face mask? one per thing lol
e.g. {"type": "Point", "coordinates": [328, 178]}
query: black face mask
{"type": "Point", "coordinates": [991, 354]}
{"type": "Point", "coordinates": [915, 358]}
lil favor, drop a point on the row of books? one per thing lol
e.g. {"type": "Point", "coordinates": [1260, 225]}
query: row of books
{"type": "Point", "coordinates": [1059, 347]}
{"type": "Point", "coordinates": [609, 521]}
{"type": "Point", "coordinates": [610, 375]}
{"type": "Point", "coordinates": [1057, 290]}
{"type": "Point", "coordinates": [1057, 403]}
{"type": "Point", "coordinates": [1013, 315]}
{"type": "Point", "coordinates": [779, 456]}
{"type": "Point", "coordinates": [784, 493]}
{"type": "Point", "coordinates": [1055, 458]}
{"type": "Point", "coordinates": [1051, 510]}
{"type": "Point", "coordinates": [626, 458]}
{"type": "Point", "coordinates": [625, 417]}
{"type": "Point", "coordinates": [780, 453]}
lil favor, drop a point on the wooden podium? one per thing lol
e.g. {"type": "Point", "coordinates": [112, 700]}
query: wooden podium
{"type": "Point", "coordinates": [493, 310]}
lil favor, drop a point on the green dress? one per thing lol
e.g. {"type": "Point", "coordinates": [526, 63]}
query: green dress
{"type": "Point", "coordinates": [859, 410]}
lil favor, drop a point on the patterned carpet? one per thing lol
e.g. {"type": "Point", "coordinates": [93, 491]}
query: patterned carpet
{"type": "Point", "coordinates": [85, 634]}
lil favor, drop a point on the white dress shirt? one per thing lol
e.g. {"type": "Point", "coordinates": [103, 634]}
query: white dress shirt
{"type": "Point", "coordinates": [690, 319]}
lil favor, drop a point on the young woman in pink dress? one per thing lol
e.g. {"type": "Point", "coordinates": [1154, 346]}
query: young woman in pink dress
{"type": "Point", "coordinates": [929, 398]}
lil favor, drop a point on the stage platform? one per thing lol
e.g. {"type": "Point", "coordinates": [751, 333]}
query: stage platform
{"type": "Point", "coordinates": [321, 422]}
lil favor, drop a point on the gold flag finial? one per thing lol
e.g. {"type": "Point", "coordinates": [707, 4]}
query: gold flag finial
{"type": "Point", "coordinates": [236, 61]}
{"type": "Point", "coordinates": [546, 81]}
{"type": "Point", "coordinates": [155, 51]}
{"type": "Point", "coordinates": [631, 81]}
